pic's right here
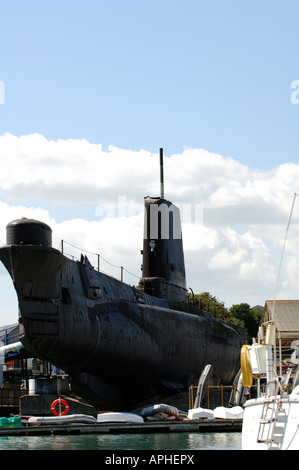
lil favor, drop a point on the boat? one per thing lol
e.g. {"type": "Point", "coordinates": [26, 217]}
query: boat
{"type": "Point", "coordinates": [67, 419]}
{"type": "Point", "coordinates": [220, 412]}
{"type": "Point", "coordinates": [120, 344]}
{"type": "Point", "coordinates": [271, 420]}
{"type": "Point", "coordinates": [119, 417]}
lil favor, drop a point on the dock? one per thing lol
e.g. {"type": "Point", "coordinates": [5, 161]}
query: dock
{"type": "Point", "coordinates": [205, 425]}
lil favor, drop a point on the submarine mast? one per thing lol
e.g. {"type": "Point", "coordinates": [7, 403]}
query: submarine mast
{"type": "Point", "coordinates": [161, 175]}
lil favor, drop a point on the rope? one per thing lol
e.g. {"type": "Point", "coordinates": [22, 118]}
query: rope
{"type": "Point", "coordinates": [282, 253]}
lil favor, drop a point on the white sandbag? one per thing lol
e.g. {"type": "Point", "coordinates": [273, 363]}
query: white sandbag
{"type": "Point", "coordinates": [235, 412]}
{"type": "Point", "coordinates": [200, 413]}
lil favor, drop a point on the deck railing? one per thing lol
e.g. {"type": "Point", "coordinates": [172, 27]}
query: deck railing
{"type": "Point", "coordinates": [220, 388]}
{"type": "Point", "coordinates": [99, 260]}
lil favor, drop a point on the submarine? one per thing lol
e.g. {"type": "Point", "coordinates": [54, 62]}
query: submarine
{"type": "Point", "coordinates": [118, 343]}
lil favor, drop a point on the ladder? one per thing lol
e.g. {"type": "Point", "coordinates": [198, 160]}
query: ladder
{"type": "Point", "coordinates": [267, 420]}
{"type": "Point", "coordinates": [269, 431]}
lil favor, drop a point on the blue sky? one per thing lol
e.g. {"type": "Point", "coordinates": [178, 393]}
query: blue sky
{"type": "Point", "coordinates": [93, 89]}
{"type": "Point", "coordinates": [143, 74]}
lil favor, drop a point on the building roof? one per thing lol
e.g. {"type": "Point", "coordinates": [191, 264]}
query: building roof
{"type": "Point", "coordinates": [285, 316]}
{"type": "Point", "coordinates": [259, 308]}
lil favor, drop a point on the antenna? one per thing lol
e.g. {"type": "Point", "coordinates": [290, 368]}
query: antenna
{"type": "Point", "coordinates": [161, 175]}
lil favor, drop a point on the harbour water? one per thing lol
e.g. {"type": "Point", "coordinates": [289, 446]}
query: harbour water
{"type": "Point", "coordinates": [170, 441]}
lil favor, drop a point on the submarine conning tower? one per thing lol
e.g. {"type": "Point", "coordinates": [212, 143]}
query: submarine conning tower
{"type": "Point", "coordinates": [163, 267]}
{"type": "Point", "coordinates": [28, 232]}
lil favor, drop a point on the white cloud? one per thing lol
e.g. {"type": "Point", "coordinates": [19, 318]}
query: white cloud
{"type": "Point", "coordinates": [70, 170]}
{"type": "Point", "coordinates": [231, 251]}
{"type": "Point", "coordinates": [234, 254]}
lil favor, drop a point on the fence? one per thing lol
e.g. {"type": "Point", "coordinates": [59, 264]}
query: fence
{"type": "Point", "coordinates": [220, 388]}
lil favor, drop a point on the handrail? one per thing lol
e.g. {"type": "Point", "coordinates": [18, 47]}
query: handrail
{"type": "Point", "coordinates": [265, 419]}
{"type": "Point", "coordinates": [219, 387]}
{"type": "Point", "coordinates": [99, 258]}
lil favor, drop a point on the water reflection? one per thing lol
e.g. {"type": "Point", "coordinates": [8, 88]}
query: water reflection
{"type": "Point", "coordinates": [173, 441]}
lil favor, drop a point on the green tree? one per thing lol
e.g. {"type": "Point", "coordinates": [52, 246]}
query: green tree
{"type": "Point", "coordinates": [249, 319]}
{"type": "Point", "coordinates": [239, 314]}
{"type": "Point", "coordinates": [208, 302]}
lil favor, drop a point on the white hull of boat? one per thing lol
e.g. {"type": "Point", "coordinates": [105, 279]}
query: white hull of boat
{"type": "Point", "coordinates": [121, 417]}
{"type": "Point", "coordinates": [271, 423]}
{"type": "Point", "coordinates": [67, 419]}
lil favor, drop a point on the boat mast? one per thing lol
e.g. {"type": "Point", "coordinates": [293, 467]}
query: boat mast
{"type": "Point", "coordinates": [281, 258]}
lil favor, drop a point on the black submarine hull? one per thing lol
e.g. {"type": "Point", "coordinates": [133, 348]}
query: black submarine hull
{"type": "Point", "coordinates": [113, 338]}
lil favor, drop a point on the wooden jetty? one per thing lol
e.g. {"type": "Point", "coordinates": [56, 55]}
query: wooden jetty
{"type": "Point", "coordinates": [205, 425]}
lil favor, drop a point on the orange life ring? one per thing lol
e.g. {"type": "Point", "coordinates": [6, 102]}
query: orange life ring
{"type": "Point", "coordinates": [59, 401]}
